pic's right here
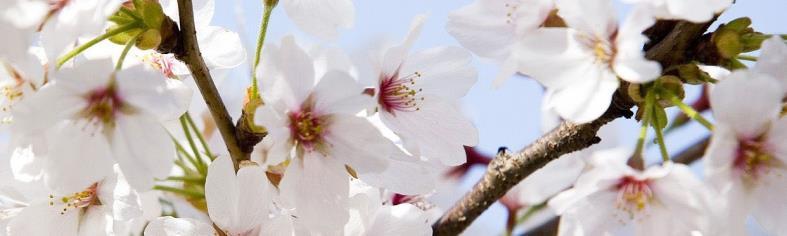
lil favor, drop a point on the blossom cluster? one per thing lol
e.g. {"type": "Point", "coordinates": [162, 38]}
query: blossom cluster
{"type": "Point", "coordinates": [110, 126]}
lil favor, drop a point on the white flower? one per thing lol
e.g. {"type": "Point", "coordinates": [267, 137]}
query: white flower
{"type": "Point", "coordinates": [370, 215]}
{"type": "Point", "coordinates": [23, 13]}
{"type": "Point", "coordinates": [580, 65]}
{"type": "Point", "coordinates": [321, 18]}
{"type": "Point", "coordinates": [697, 11]}
{"type": "Point", "coordinates": [237, 203]}
{"type": "Point", "coordinates": [661, 200]}
{"type": "Point", "coordinates": [67, 20]}
{"type": "Point", "coordinates": [746, 158]}
{"type": "Point", "coordinates": [317, 122]}
{"type": "Point", "coordinates": [492, 28]}
{"type": "Point", "coordinates": [418, 95]}
{"type": "Point", "coordinates": [102, 208]}
{"type": "Point", "coordinates": [117, 115]}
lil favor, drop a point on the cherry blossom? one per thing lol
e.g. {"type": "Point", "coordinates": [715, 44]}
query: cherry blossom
{"type": "Point", "coordinates": [661, 200]}
{"type": "Point", "coordinates": [745, 159]}
{"type": "Point", "coordinates": [317, 122]}
{"type": "Point", "coordinates": [580, 65]}
{"type": "Point", "coordinates": [101, 208]}
{"type": "Point", "coordinates": [117, 114]}
{"type": "Point", "coordinates": [417, 98]}
{"type": "Point", "coordinates": [772, 60]}
{"type": "Point", "coordinates": [369, 215]}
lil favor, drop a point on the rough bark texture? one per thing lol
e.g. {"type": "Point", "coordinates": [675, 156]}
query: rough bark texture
{"type": "Point", "coordinates": [183, 44]}
{"type": "Point", "coordinates": [670, 44]}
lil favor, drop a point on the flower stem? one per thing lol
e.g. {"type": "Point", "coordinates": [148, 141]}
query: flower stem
{"type": "Point", "coordinates": [659, 131]}
{"type": "Point", "coordinates": [260, 42]}
{"type": "Point", "coordinates": [199, 136]}
{"type": "Point", "coordinates": [747, 58]}
{"type": "Point", "coordinates": [127, 48]}
{"type": "Point", "coordinates": [184, 192]}
{"type": "Point", "coordinates": [690, 112]}
{"type": "Point", "coordinates": [183, 152]}
{"type": "Point", "coordinates": [83, 47]}
{"type": "Point", "coordinates": [184, 125]}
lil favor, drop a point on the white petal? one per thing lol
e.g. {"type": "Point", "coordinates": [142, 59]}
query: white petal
{"type": "Point", "coordinates": [554, 57]}
{"type": "Point", "coordinates": [746, 101]}
{"type": "Point", "coordinates": [720, 155]}
{"type": "Point", "coordinates": [364, 149]}
{"type": "Point", "coordinates": [143, 149]}
{"type": "Point", "coordinates": [407, 175]}
{"type": "Point", "coordinates": [588, 99]}
{"type": "Point", "coordinates": [630, 63]}
{"type": "Point", "coordinates": [28, 222]}
{"type": "Point", "coordinates": [681, 195]}
{"type": "Point", "coordinates": [696, 11]}
{"type": "Point", "coordinates": [64, 169]}
{"type": "Point", "coordinates": [395, 56]}
{"type": "Point", "coordinates": [444, 71]}
{"type": "Point", "coordinates": [119, 199]}
{"type": "Point", "coordinates": [287, 72]}
{"type": "Point", "coordinates": [255, 195]}
{"type": "Point", "coordinates": [486, 28]}
{"type": "Point", "coordinates": [221, 48]}
{"type": "Point", "coordinates": [221, 193]}
{"type": "Point", "coordinates": [438, 129]}
{"type": "Point", "coordinates": [595, 17]}
{"type": "Point", "coordinates": [771, 207]}
{"type": "Point", "coordinates": [403, 219]}
{"type": "Point", "coordinates": [595, 215]}
{"type": "Point", "coordinates": [338, 93]}
{"type": "Point", "coordinates": [95, 221]}
{"type": "Point", "coordinates": [150, 92]}
{"type": "Point", "coordinates": [776, 140]}
{"type": "Point", "coordinates": [772, 60]}
{"type": "Point", "coordinates": [319, 17]}
{"type": "Point", "coordinates": [318, 188]}
{"type": "Point", "coordinates": [168, 226]}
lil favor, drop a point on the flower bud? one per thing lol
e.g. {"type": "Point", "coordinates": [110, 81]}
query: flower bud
{"type": "Point", "coordinates": [669, 85]}
{"type": "Point", "coordinates": [691, 74]}
{"type": "Point", "coordinates": [151, 13]}
{"type": "Point", "coordinates": [149, 40]}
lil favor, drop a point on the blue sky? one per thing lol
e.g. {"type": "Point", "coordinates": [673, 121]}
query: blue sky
{"type": "Point", "coordinates": [509, 116]}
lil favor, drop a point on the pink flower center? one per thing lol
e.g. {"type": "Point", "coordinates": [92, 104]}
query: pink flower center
{"type": "Point", "coordinates": [752, 159]}
{"type": "Point", "coordinates": [78, 200]}
{"type": "Point", "coordinates": [633, 195]}
{"type": "Point", "coordinates": [103, 105]}
{"type": "Point", "coordinates": [162, 63]}
{"type": "Point", "coordinates": [399, 93]}
{"type": "Point", "coordinates": [307, 127]}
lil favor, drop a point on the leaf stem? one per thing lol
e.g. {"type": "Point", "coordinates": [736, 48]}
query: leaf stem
{"type": "Point", "coordinates": [131, 42]}
{"type": "Point", "coordinates": [690, 112]}
{"type": "Point", "coordinates": [199, 136]}
{"type": "Point", "coordinates": [184, 192]}
{"type": "Point", "coordinates": [83, 47]}
{"type": "Point", "coordinates": [184, 125]}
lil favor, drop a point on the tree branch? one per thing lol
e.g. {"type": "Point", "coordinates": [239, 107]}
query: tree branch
{"type": "Point", "coordinates": [507, 169]}
{"type": "Point", "coordinates": [692, 153]}
{"type": "Point", "coordinates": [187, 50]}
